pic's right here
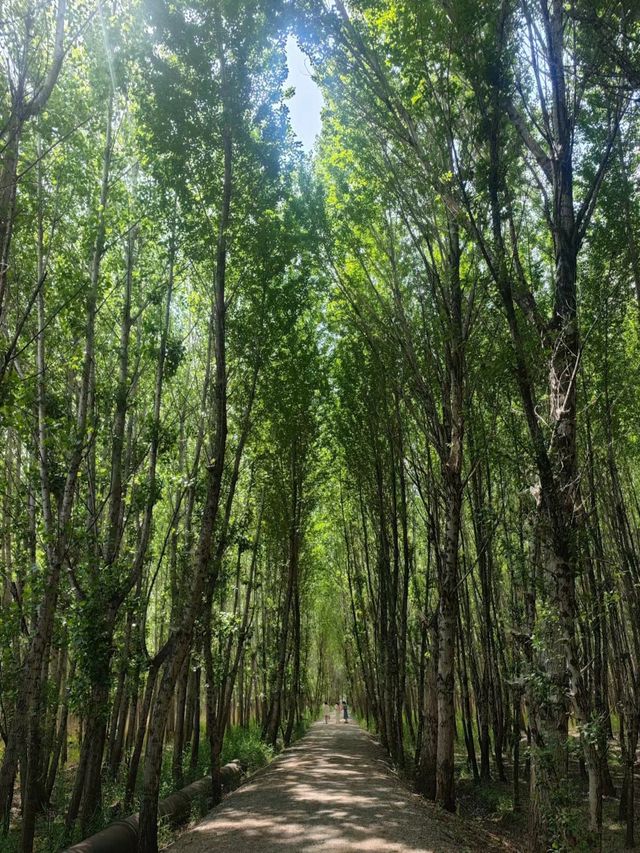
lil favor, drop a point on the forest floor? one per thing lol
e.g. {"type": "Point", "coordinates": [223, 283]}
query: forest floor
{"type": "Point", "coordinates": [333, 790]}
{"type": "Point", "coordinates": [490, 804]}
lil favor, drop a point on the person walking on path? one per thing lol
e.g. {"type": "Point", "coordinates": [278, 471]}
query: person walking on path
{"type": "Point", "coordinates": [345, 711]}
{"type": "Point", "coordinates": [338, 711]}
{"type": "Point", "coordinates": [326, 710]}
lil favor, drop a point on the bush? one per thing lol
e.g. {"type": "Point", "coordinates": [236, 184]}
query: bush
{"type": "Point", "coordinates": [247, 746]}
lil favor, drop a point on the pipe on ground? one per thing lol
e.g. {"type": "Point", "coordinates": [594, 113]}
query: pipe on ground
{"type": "Point", "coordinates": [121, 836]}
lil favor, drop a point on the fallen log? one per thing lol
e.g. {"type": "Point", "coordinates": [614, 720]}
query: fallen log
{"type": "Point", "coordinates": [121, 836]}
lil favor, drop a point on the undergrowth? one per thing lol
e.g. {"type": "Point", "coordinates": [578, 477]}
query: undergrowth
{"type": "Point", "coordinates": [243, 744]}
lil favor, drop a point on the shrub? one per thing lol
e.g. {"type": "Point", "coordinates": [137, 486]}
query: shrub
{"type": "Point", "coordinates": [246, 745]}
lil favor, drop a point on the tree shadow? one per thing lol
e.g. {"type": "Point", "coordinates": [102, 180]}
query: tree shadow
{"type": "Point", "coordinates": [332, 791]}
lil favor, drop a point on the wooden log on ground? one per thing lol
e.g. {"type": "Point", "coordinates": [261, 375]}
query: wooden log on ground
{"type": "Point", "coordinates": [121, 836]}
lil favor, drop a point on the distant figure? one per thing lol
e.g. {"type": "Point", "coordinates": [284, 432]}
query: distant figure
{"type": "Point", "coordinates": [345, 711]}
{"type": "Point", "coordinates": [338, 711]}
{"type": "Point", "coordinates": [326, 710]}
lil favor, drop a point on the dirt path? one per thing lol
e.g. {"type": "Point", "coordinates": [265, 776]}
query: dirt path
{"type": "Point", "coordinates": [333, 790]}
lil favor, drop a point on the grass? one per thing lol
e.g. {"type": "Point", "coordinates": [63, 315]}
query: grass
{"type": "Point", "coordinates": [247, 746]}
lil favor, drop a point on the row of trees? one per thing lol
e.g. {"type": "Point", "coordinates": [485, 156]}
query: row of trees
{"type": "Point", "coordinates": [267, 428]}
{"type": "Point", "coordinates": [159, 397]}
{"type": "Point", "coordinates": [480, 162]}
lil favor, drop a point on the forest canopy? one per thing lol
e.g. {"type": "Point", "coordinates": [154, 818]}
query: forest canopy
{"type": "Point", "coordinates": [280, 427]}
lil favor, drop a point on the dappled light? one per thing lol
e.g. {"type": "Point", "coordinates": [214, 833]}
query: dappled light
{"type": "Point", "coordinates": [333, 791]}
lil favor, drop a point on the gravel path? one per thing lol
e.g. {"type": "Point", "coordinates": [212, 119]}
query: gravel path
{"type": "Point", "coordinates": [333, 790]}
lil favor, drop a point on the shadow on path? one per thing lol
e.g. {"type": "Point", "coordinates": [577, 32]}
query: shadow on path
{"type": "Point", "coordinates": [333, 790]}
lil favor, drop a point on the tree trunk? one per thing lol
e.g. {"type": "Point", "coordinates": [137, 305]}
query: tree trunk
{"type": "Point", "coordinates": [426, 771]}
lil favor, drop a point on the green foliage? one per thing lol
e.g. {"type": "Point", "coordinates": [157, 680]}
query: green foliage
{"type": "Point", "coordinates": [246, 746]}
{"type": "Point", "coordinates": [349, 316]}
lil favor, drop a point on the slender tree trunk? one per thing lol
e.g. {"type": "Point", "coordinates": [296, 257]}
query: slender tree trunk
{"type": "Point", "coordinates": [178, 737]}
{"type": "Point", "coordinates": [195, 740]}
{"type": "Point", "coordinates": [148, 832]}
